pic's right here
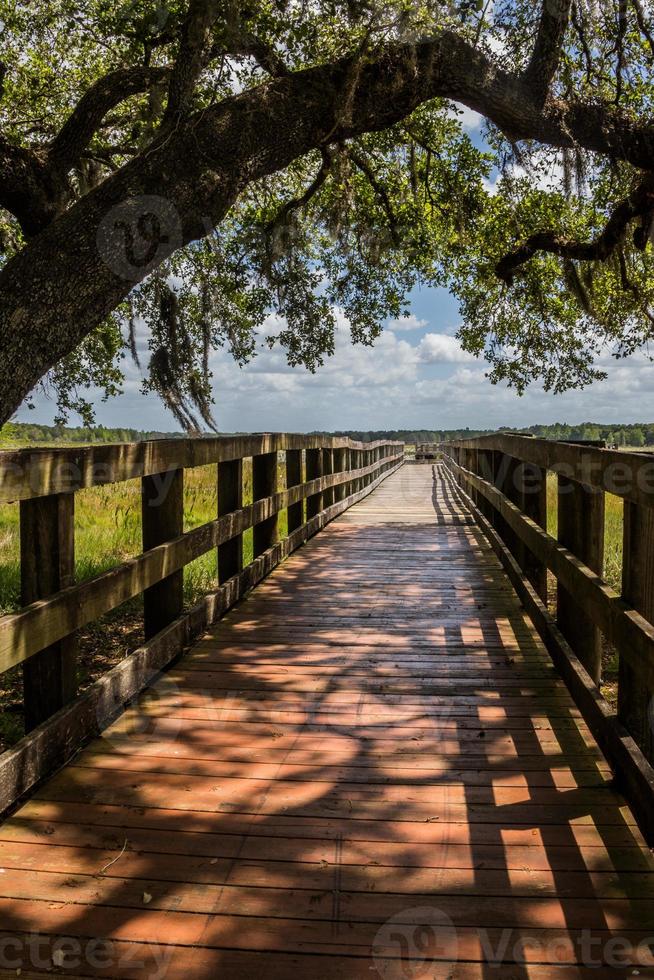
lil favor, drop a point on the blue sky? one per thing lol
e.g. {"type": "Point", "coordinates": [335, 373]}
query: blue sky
{"type": "Point", "coordinates": [415, 376]}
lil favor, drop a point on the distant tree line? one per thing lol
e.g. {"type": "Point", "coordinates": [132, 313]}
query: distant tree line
{"type": "Point", "coordinates": [21, 433]}
{"type": "Point", "coordinates": [637, 434]}
{"type": "Point", "coordinates": [407, 435]}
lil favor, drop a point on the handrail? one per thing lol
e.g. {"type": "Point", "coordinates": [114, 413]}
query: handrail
{"type": "Point", "coordinates": [427, 449]}
{"type": "Point", "coordinates": [28, 473]}
{"type": "Point", "coordinates": [43, 622]}
{"type": "Point", "coordinates": [622, 625]}
{"type": "Point", "coordinates": [628, 475]}
{"type": "Point", "coordinates": [324, 476]}
{"type": "Point", "coordinates": [505, 477]}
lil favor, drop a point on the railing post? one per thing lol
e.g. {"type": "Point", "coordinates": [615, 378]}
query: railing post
{"type": "Point", "coordinates": [475, 467]}
{"type": "Point", "coordinates": [47, 564]}
{"type": "Point", "coordinates": [635, 699]}
{"type": "Point", "coordinates": [500, 466]}
{"type": "Point", "coordinates": [514, 490]}
{"type": "Point", "coordinates": [340, 466]}
{"type": "Point", "coordinates": [230, 498]}
{"type": "Point", "coordinates": [327, 470]}
{"type": "Point", "coordinates": [264, 484]}
{"type": "Point", "coordinates": [363, 457]}
{"type": "Point", "coordinates": [355, 485]}
{"type": "Point", "coordinates": [361, 462]}
{"type": "Point", "coordinates": [486, 472]}
{"type": "Point", "coordinates": [293, 478]}
{"type": "Point", "coordinates": [535, 506]}
{"type": "Point", "coordinates": [162, 518]}
{"type": "Point", "coordinates": [581, 530]}
{"type": "Point", "coordinates": [314, 471]}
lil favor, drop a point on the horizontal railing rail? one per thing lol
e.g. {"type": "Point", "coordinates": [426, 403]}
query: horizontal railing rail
{"type": "Point", "coordinates": [323, 477]}
{"type": "Point", "coordinates": [505, 478]}
{"type": "Point", "coordinates": [625, 474]}
{"type": "Point", "coordinates": [28, 473]}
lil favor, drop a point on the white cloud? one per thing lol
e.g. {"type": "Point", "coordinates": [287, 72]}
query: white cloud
{"type": "Point", "coordinates": [427, 383]}
{"type": "Point", "coordinates": [469, 119]}
{"type": "Point", "coordinates": [439, 348]}
{"type": "Point", "coordinates": [547, 175]}
{"type": "Point", "coordinates": [355, 380]}
{"type": "Point", "coordinates": [492, 184]}
{"type": "Point", "coordinates": [408, 322]}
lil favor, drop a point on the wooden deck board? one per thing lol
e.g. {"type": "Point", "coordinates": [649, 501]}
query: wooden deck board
{"type": "Point", "coordinates": [368, 768]}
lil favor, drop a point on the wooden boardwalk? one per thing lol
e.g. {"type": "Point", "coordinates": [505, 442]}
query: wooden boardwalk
{"type": "Point", "coordinates": [368, 768]}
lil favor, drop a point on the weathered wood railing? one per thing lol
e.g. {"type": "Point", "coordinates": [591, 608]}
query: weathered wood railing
{"type": "Point", "coordinates": [323, 477]}
{"type": "Point", "coordinates": [505, 477]}
{"type": "Point", "coordinates": [427, 450]}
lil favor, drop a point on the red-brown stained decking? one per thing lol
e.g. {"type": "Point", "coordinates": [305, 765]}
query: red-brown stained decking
{"type": "Point", "coordinates": [367, 769]}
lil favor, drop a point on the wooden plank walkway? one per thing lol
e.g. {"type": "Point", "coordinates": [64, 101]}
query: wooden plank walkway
{"type": "Point", "coordinates": [368, 768]}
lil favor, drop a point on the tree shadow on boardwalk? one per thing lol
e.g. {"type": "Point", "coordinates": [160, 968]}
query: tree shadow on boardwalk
{"type": "Point", "coordinates": [367, 769]}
